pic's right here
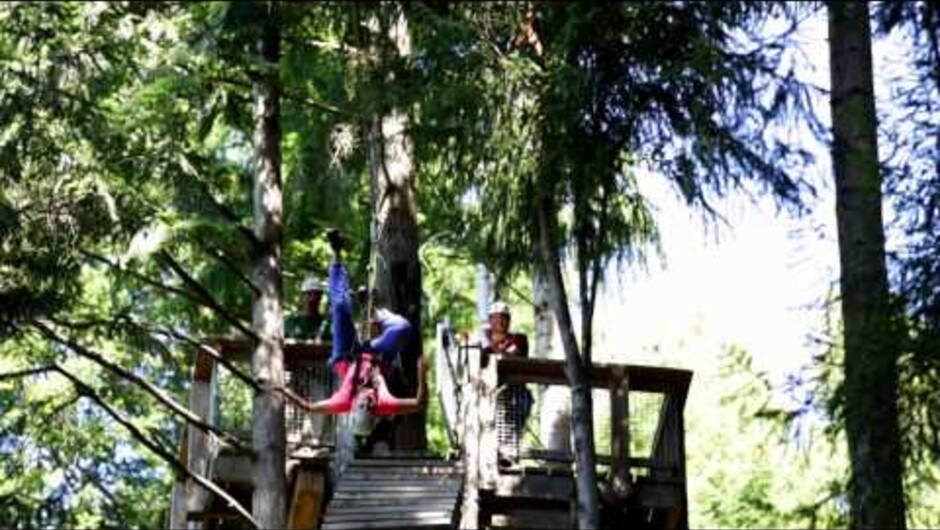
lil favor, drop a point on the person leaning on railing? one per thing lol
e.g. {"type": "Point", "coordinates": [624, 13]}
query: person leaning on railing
{"type": "Point", "coordinates": [498, 339]}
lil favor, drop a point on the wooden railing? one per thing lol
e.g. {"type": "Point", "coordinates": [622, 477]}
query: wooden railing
{"type": "Point", "coordinates": [201, 451]}
{"type": "Point", "coordinates": [655, 481]}
{"type": "Point", "coordinates": [198, 449]}
{"type": "Point", "coordinates": [450, 376]}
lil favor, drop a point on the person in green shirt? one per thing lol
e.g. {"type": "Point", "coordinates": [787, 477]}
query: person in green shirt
{"type": "Point", "coordinates": [309, 322]}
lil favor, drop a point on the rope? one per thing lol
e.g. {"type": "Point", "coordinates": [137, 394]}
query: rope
{"type": "Point", "coordinates": [372, 269]}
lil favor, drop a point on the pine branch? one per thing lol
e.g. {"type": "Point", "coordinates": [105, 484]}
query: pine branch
{"type": "Point", "coordinates": [142, 277]}
{"type": "Point", "coordinates": [116, 321]}
{"type": "Point", "coordinates": [201, 296]}
{"type": "Point", "coordinates": [211, 352]}
{"type": "Point", "coordinates": [206, 297]}
{"type": "Point", "coordinates": [153, 390]}
{"type": "Point", "coordinates": [126, 319]}
{"type": "Point", "coordinates": [160, 451]}
{"type": "Point", "coordinates": [89, 476]}
{"type": "Point", "coordinates": [49, 416]}
{"type": "Point", "coordinates": [25, 373]}
{"type": "Point", "coordinates": [222, 257]}
{"type": "Point", "coordinates": [227, 213]}
{"type": "Point", "coordinates": [290, 95]}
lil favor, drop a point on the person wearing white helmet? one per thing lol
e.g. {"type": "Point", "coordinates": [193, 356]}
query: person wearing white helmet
{"type": "Point", "coordinates": [514, 404]}
{"type": "Point", "coordinates": [308, 322]}
{"type": "Point", "coordinates": [499, 339]}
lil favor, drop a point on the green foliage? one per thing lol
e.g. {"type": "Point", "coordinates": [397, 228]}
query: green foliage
{"type": "Point", "coordinates": [126, 157]}
{"type": "Point", "coordinates": [822, 388]}
{"type": "Point", "coordinates": [912, 186]}
{"type": "Point", "coordinates": [615, 87]}
{"type": "Point", "coordinates": [747, 469]}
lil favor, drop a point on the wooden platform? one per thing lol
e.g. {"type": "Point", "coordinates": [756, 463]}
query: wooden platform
{"type": "Point", "coordinates": [405, 490]}
{"type": "Point", "coordinates": [395, 493]}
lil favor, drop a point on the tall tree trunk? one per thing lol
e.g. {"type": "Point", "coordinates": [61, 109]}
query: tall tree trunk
{"type": "Point", "coordinates": [398, 270]}
{"type": "Point", "coordinates": [542, 312]}
{"type": "Point", "coordinates": [267, 363]}
{"type": "Point", "coordinates": [875, 491]}
{"type": "Point", "coordinates": [555, 413]}
{"type": "Point", "coordinates": [582, 415]}
{"type": "Point", "coordinates": [484, 295]}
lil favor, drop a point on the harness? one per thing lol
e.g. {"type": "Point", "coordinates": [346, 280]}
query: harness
{"type": "Point", "coordinates": [364, 365]}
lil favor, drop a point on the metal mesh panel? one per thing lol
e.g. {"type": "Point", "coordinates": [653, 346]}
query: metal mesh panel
{"type": "Point", "coordinates": [513, 406]}
{"type": "Point", "coordinates": [312, 382]}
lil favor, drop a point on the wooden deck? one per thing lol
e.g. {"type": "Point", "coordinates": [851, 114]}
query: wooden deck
{"type": "Point", "coordinates": [331, 489]}
{"type": "Point", "coordinates": [395, 493]}
{"type": "Point", "coordinates": [635, 487]}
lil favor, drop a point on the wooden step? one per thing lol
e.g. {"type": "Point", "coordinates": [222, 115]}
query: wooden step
{"type": "Point", "coordinates": [406, 496]}
{"type": "Point", "coordinates": [429, 524]}
{"type": "Point", "coordinates": [400, 462]}
{"type": "Point", "coordinates": [403, 479]}
{"type": "Point", "coordinates": [399, 473]}
{"type": "Point", "coordinates": [395, 492]}
{"type": "Point", "coordinates": [359, 502]}
{"type": "Point", "coordinates": [420, 506]}
{"type": "Point", "coordinates": [396, 484]}
{"type": "Point", "coordinates": [403, 513]}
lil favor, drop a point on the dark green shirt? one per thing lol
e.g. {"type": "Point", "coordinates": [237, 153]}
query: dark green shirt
{"type": "Point", "coordinates": [309, 327]}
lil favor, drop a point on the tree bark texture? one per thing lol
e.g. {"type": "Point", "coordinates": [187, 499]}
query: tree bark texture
{"type": "Point", "coordinates": [581, 407]}
{"type": "Point", "coordinates": [875, 491]}
{"type": "Point", "coordinates": [267, 363]}
{"type": "Point", "coordinates": [555, 403]}
{"type": "Point", "coordinates": [397, 267]}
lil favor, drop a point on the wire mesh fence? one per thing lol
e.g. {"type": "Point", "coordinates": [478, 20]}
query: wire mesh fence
{"type": "Point", "coordinates": [533, 426]}
{"type": "Point", "coordinates": [309, 380]}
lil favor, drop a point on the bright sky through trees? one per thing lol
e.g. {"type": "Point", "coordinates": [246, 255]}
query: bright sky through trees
{"type": "Point", "coordinates": [757, 281]}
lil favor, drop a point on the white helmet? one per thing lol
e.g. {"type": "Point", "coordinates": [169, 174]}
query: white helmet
{"type": "Point", "coordinates": [312, 283]}
{"type": "Point", "coordinates": [499, 308]}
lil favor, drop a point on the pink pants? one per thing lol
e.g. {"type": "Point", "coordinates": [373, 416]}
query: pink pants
{"type": "Point", "coordinates": [342, 400]}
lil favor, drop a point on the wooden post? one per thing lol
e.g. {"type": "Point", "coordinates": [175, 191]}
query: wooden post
{"type": "Point", "coordinates": [307, 498]}
{"type": "Point", "coordinates": [665, 443]}
{"type": "Point", "coordinates": [489, 440]}
{"type": "Point", "coordinates": [683, 522]}
{"type": "Point", "coordinates": [200, 446]}
{"type": "Point", "coordinates": [177, 518]}
{"type": "Point", "coordinates": [470, 511]}
{"type": "Point", "coordinates": [669, 456]}
{"type": "Point", "coordinates": [445, 377]}
{"type": "Point", "coordinates": [620, 432]}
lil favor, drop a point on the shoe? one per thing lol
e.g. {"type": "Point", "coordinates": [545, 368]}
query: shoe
{"type": "Point", "coordinates": [335, 239]}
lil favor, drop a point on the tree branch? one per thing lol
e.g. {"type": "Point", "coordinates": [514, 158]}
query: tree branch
{"type": "Point", "coordinates": [127, 319]}
{"type": "Point", "coordinates": [292, 96]}
{"type": "Point", "coordinates": [211, 352]}
{"type": "Point", "coordinates": [165, 352]}
{"type": "Point", "coordinates": [190, 169]}
{"type": "Point", "coordinates": [46, 418]}
{"type": "Point", "coordinates": [25, 373]}
{"type": "Point", "coordinates": [223, 258]}
{"type": "Point", "coordinates": [162, 452]}
{"type": "Point", "coordinates": [88, 476]}
{"type": "Point", "coordinates": [157, 393]}
{"type": "Point", "coordinates": [142, 277]}
{"type": "Point", "coordinates": [207, 298]}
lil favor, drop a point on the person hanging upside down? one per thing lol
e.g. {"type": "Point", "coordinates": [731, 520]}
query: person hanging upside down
{"type": "Point", "coordinates": [363, 366]}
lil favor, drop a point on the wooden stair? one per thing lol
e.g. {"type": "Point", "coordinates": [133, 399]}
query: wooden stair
{"type": "Point", "coordinates": [395, 493]}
